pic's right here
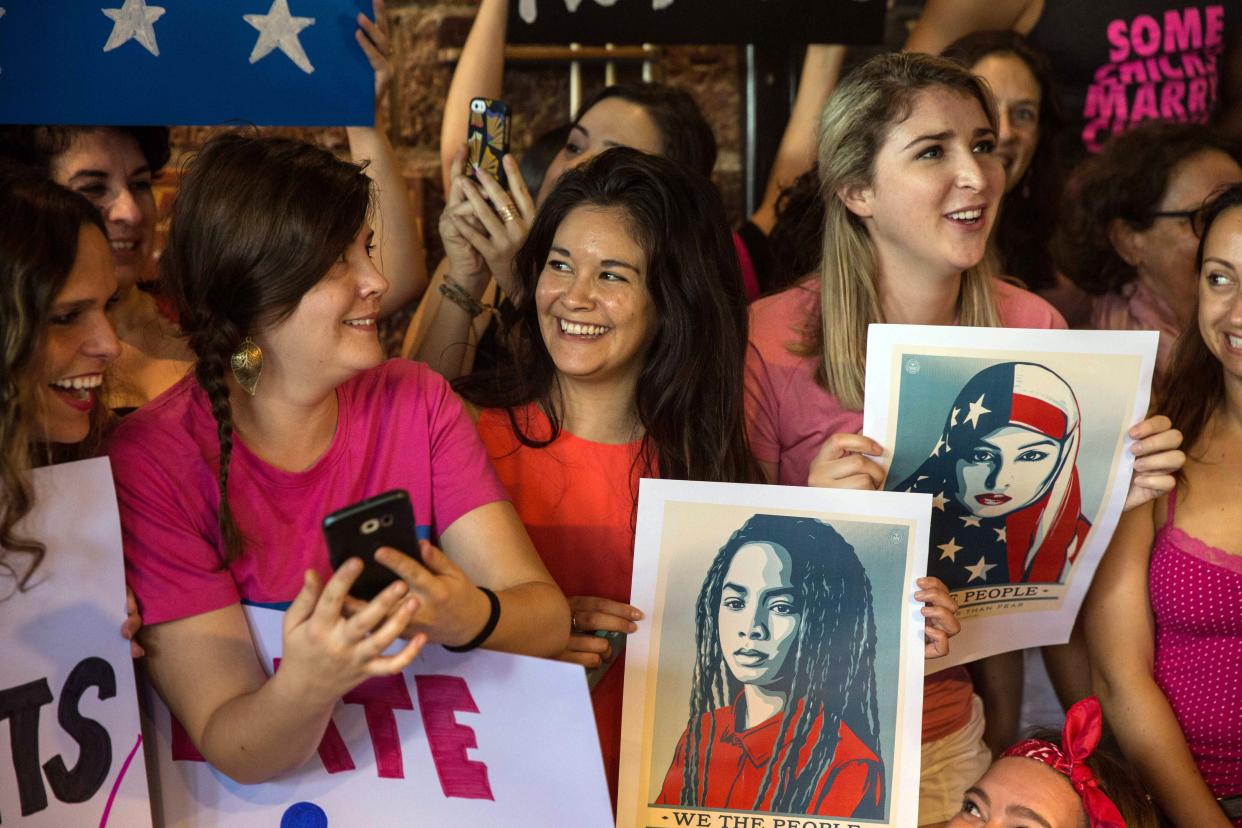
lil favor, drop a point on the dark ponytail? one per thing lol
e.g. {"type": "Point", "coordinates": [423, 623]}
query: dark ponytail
{"type": "Point", "coordinates": [256, 224]}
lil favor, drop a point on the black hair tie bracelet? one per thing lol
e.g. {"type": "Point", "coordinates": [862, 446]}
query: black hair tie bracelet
{"type": "Point", "coordinates": [493, 619]}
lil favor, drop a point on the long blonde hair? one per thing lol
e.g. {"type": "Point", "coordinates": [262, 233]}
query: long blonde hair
{"type": "Point", "coordinates": [853, 127]}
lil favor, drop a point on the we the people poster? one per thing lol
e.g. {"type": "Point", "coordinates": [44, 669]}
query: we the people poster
{"type": "Point", "coordinates": [778, 675]}
{"type": "Point", "coordinates": [1020, 437]}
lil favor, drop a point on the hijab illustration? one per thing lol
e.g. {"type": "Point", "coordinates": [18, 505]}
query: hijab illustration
{"type": "Point", "coordinates": [1004, 480]}
{"type": "Point", "coordinates": [783, 712]}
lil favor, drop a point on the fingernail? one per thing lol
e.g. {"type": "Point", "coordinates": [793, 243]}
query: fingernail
{"type": "Point", "coordinates": [633, 628]}
{"type": "Point", "coordinates": [636, 614]}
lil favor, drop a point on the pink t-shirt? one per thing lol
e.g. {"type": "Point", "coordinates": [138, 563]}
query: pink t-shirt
{"type": "Point", "coordinates": [789, 417]}
{"type": "Point", "coordinates": [399, 427]}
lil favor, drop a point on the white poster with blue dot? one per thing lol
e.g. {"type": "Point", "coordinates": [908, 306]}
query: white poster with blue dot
{"type": "Point", "coordinates": [1021, 438]}
{"type": "Point", "coordinates": [477, 738]}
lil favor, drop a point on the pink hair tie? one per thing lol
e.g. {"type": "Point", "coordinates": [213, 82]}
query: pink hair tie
{"type": "Point", "coordinates": [1084, 724]}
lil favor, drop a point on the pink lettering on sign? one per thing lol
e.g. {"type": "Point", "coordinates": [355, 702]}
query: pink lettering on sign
{"type": "Point", "coordinates": [439, 698]}
{"type": "Point", "coordinates": [332, 750]}
{"type": "Point", "coordinates": [379, 697]}
{"type": "Point", "coordinates": [1159, 67]}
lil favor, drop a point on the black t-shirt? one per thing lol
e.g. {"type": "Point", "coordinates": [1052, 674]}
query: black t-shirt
{"type": "Point", "coordinates": [1119, 62]}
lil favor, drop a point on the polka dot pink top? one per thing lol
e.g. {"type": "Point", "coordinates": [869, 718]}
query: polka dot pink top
{"type": "Point", "coordinates": [1196, 595]}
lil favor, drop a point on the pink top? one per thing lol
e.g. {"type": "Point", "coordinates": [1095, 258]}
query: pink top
{"type": "Point", "coordinates": [790, 415]}
{"type": "Point", "coordinates": [1135, 308]}
{"type": "Point", "coordinates": [1196, 597]}
{"type": "Point", "coordinates": [399, 427]}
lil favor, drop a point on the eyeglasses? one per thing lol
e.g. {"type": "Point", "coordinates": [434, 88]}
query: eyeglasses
{"type": "Point", "coordinates": [1193, 217]}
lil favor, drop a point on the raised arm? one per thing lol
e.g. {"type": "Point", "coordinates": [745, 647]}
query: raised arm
{"type": "Point", "coordinates": [821, 69]}
{"type": "Point", "coordinates": [944, 21]}
{"type": "Point", "coordinates": [402, 258]}
{"type": "Point", "coordinates": [253, 728]}
{"type": "Point", "coordinates": [1121, 639]}
{"type": "Point", "coordinates": [479, 74]}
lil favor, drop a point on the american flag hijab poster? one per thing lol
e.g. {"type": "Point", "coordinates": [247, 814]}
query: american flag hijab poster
{"type": "Point", "coordinates": [174, 62]}
{"type": "Point", "coordinates": [1020, 437]}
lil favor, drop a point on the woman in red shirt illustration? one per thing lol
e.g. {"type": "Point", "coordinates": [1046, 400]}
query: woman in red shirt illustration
{"type": "Point", "coordinates": [783, 712]}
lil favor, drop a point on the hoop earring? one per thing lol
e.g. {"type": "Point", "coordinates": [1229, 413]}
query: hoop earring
{"type": "Point", "coordinates": [247, 364]}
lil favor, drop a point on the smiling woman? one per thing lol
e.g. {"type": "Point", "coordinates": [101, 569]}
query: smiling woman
{"type": "Point", "coordinates": [57, 284]}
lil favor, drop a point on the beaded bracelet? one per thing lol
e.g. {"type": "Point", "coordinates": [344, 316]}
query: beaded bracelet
{"type": "Point", "coordinates": [493, 619]}
{"type": "Point", "coordinates": [460, 297]}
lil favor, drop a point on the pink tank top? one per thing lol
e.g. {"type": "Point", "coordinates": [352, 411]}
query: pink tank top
{"type": "Point", "coordinates": [1196, 596]}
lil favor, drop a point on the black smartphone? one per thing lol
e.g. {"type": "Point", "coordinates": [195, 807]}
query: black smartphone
{"type": "Point", "coordinates": [358, 530]}
{"type": "Point", "coordinates": [487, 138]}
{"type": "Point", "coordinates": [616, 640]}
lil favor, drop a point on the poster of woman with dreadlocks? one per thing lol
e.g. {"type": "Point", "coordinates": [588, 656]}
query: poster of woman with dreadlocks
{"type": "Point", "coordinates": [1020, 438]}
{"type": "Point", "coordinates": [774, 676]}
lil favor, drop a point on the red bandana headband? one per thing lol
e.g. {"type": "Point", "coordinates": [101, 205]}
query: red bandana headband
{"type": "Point", "coordinates": [1083, 726]}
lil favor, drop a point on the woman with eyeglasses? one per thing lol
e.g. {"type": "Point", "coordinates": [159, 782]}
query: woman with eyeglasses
{"type": "Point", "coordinates": [1126, 234]}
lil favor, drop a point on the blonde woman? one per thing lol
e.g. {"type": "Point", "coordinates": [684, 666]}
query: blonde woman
{"type": "Point", "coordinates": [911, 190]}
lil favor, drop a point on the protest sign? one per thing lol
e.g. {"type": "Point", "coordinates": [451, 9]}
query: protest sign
{"type": "Point", "coordinates": [67, 680]}
{"type": "Point", "coordinates": [480, 738]}
{"type": "Point", "coordinates": [777, 680]}
{"type": "Point", "coordinates": [1020, 438]}
{"type": "Point", "coordinates": [266, 62]}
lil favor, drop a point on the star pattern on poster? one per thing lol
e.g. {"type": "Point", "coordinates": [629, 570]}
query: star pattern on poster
{"type": "Point", "coordinates": [953, 416]}
{"type": "Point", "coordinates": [134, 20]}
{"type": "Point", "coordinates": [1000, 534]}
{"type": "Point", "coordinates": [939, 500]}
{"type": "Point", "coordinates": [279, 29]}
{"type": "Point", "coordinates": [949, 550]}
{"type": "Point", "coordinates": [969, 520]}
{"type": "Point", "coordinates": [980, 570]}
{"type": "Point", "coordinates": [940, 443]}
{"type": "Point", "coordinates": [976, 411]}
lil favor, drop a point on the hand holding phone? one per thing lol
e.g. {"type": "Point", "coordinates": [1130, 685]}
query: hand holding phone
{"type": "Point", "coordinates": [357, 531]}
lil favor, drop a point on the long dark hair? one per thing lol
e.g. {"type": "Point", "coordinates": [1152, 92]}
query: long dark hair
{"type": "Point", "coordinates": [689, 396]}
{"type": "Point", "coordinates": [1126, 181]}
{"type": "Point", "coordinates": [833, 663]}
{"type": "Point", "coordinates": [687, 138]}
{"type": "Point", "coordinates": [257, 223]}
{"type": "Point", "coordinates": [1031, 207]}
{"type": "Point", "coordinates": [1194, 385]}
{"type": "Point", "coordinates": [38, 246]}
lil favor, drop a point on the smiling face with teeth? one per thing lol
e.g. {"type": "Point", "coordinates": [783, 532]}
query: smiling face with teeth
{"type": "Point", "coordinates": [78, 344]}
{"type": "Point", "coordinates": [934, 190]}
{"type": "Point", "coordinates": [1220, 292]}
{"type": "Point", "coordinates": [331, 334]}
{"type": "Point", "coordinates": [595, 312]}
{"type": "Point", "coordinates": [108, 167]}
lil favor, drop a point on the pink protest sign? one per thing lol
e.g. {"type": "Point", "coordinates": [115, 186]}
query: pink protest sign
{"type": "Point", "coordinates": [475, 739]}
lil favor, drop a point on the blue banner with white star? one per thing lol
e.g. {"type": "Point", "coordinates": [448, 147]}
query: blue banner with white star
{"type": "Point", "coordinates": [181, 62]}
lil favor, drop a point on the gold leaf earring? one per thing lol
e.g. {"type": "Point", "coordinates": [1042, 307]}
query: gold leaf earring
{"type": "Point", "coordinates": [247, 364]}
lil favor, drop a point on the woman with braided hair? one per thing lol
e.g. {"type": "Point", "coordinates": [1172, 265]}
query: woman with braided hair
{"type": "Point", "coordinates": [290, 414]}
{"type": "Point", "coordinates": [783, 710]}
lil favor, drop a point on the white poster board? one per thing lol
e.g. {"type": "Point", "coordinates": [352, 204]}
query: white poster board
{"type": "Point", "coordinates": [786, 600]}
{"type": "Point", "coordinates": [1020, 438]}
{"type": "Point", "coordinates": [69, 725]}
{"type": "Point", "coordinates": [479, 738]}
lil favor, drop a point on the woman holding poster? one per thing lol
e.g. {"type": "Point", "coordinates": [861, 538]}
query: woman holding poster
{"type": "Point", "coordinates": [783, 711]}
{"type": "Point", "coordinates": [911, 191]}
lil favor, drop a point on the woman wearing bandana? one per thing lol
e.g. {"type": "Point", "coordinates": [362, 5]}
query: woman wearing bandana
{"type": "Point", "coordinates": [1004, 480]}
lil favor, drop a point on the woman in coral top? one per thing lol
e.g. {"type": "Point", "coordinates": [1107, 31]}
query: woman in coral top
{"type": "Point", "coordinates": [1164, 618]}
{"type": "Point", "coordinates": [911, 190]}
{"type": "Point", "coordinates": [630, 355]}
